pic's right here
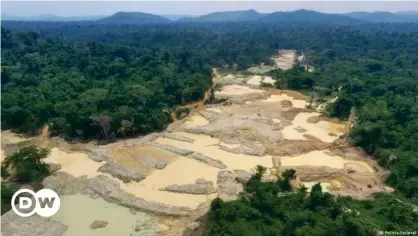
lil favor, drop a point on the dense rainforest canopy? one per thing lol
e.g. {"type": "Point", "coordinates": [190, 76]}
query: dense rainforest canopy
{"type": "Point", "coordinates": [95, 81]}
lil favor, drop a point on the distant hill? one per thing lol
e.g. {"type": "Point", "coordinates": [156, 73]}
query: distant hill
{"type": "Point", "coordinates": [133, 18]}
{"type": "Point", "coordinates": [175, 17]}
{"type": "Point", "coordinates": [381, 16]}
{"type": "Point", "coordinates": [226, 16]}
{"type": "Point", "coordinates": [408, 13]}
{"type": "Point", "coordinates": [307, 16]}
{"type": "Point", "coordinates": [52, 18]}
{"type": "Point", "coordinates": [298, 16]}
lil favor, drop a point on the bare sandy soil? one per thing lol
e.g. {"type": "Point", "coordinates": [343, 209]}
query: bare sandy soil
{"type": "Point", "coordinates": [236, 90]}
{"type": "Point", "coordinates": [297, 103]}
{"type": "Point", "coordinates": [262, 69]}
{"type": "Point", "coordinates": [147, 193]}
{"type": "Point", "coordinates": [321, 158]}
{"type": "Point", "coordinates": [76, 163]}
{"type": "Point", "coordinates": [324, 130]}
{"type": "Point", "coordinates": [8, 137]}
{"type": "Point", "coordinates": [214, 109]}
{"type": "Point", "coordinates": [196, 120]}
{"type": "Point", "coordinates": [207, 146]}
{"type": "Point", "coordinates": [255, 80]}
{"type": "Point", "coordinates": [132, 157]}
{"type": "Point", "coordinates": [285, 59]}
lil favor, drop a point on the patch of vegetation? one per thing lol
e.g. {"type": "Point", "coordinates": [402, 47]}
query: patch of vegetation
{"type": "Point", "coordinates": [182, 112]}
{"type": "Point", "coordinates": [26, 165]}
{"type": "Point", "coordinates": [274, 209]}
{"type": "Point", "coordinates": [7, 191]}
{"type": "Point", "coordinates": [296, 78]}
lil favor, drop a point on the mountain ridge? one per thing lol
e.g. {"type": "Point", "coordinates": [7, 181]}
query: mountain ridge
{"type": "Point", "coordinates": [308, 16]}
{"type": "Point", "coordinates": [225, 16]}
{"type": "Point", "coordinates": [133, 18]}
{"type": "Point", "coordinates": [297, 16]}
{"type": "Point", "coordinates": [385, 16]}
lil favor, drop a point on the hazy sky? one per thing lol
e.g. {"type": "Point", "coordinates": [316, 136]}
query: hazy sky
{"type": "Point", "coordinates": [84, 8]}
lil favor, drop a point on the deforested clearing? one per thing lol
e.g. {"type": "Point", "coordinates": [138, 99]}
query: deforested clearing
{"type": "Point", "coordinates": [205, 145]}
{"type": "Point", "coordinates": [321, 130]}
{"type": "Point", "coordinates": [285, 59]}
{"type": "Point", "coordinates": [8, 137]}
{"type": "Point", "coordinates": [196, 120]}
{"type": "Point", "coordinates": [255, 80]}
{"type": "Point", "coordinates": [75, 163]}
{"type": "Point", "coordinates": [297, 103]}
{"type": "Point", "coordinates": [237, 90]}
{"type": "Point", "coordinates": [321, 158]}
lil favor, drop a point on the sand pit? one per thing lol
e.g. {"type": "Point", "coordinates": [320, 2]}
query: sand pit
{"type": "Point", "coordinates": [7, 137]}
{"type": "Point", "coordinates": [214, 109]}
{"type": "Point", "coordinates": [357, 167]}
{"type": "Point", "coordinates": [321, 158]}
{"type": "Point", "coordinates": [191, 201]}
{"type": "Point", "coordinates": [131, 157]}
{"type": "Point", "coordinates": [320, 130]}
{"type": "Point", "coordinates": [230, 146]}
{"type": "Point", "coordinates": [208, 147]}
{"type": "Point", "coordinates": [195, 120]}
{"type": "Point", "coordinates": [229, 76]}
{"type": "Point", "coordinates": [269, 80]}
{"type": "Point", "coordinates": [236, 90]}
{"type": "Point", "coordinates": [285, 60]}
{"type": "Point", "coordinates": [182, 171]}
{"type": "Point", "coordinates": [171, 174]}
{"type": "Point", "coordinates": [324, 185]}
{"type": "Point", "coordinates": [77, 212]}
{"type": "Point", "coordinates": [335, 184]}
{"type": "Point", "coordinates": [245, 112]}
{"type": "Point", "coordinates": [76, 164]}
{"type": "Point", "coordinates": [255, 80]}
{"type": "Point", "coordinates": [296, 103]}
{"type": "Point", "coordinates": [260, 69]}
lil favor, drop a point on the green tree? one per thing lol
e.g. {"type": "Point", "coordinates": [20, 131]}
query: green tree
{"type": "Point", "coordinates": [27, 165]}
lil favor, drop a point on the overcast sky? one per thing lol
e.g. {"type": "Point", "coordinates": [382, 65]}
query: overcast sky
{"type": "Point", "coordinates": [91, 8]}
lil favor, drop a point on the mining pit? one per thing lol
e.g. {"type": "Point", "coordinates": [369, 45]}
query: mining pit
{"type": "Point", "coordinates": [163, 183]}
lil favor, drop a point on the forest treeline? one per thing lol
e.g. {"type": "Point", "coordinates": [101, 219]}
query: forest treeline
{"type": "Point", "coordinates": [94, 81]}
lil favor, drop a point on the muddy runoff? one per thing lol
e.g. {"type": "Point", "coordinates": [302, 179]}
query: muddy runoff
{"type": "Point", "coordinates": [163, 183]}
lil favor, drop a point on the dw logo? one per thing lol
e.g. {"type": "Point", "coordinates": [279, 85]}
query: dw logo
{"type": "Point", "coordinates": [44, 203]}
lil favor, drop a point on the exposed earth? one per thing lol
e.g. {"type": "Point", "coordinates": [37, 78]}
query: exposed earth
{"type": "Point", "coordinates": [163, 183]}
